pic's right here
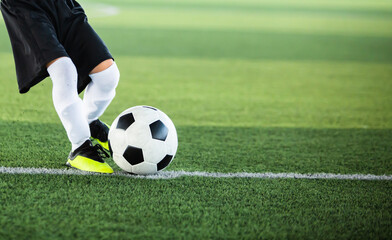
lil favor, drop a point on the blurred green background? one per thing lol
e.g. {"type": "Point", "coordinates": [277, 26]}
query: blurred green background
{"type": "Point", "coordinates": [252, 86]}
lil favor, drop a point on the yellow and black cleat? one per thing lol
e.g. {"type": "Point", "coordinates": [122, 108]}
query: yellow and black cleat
{"type": "Point", "coordinates": [99, 132]}
{"type": "Point", "coordinates": [88, 158]}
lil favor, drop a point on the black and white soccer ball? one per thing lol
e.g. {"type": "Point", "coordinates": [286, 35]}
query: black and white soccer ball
{"type": "Point", "coordinates": [143, 140]}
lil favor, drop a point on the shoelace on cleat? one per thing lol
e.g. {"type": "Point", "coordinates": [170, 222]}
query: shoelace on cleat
{"type": "Point", "coordinates": [96, 153]}
{"type": "Point", "coordinates": [100, 151]}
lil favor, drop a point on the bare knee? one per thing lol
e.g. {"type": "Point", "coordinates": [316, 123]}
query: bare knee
{"type": "Point", "coordinates": [102, 66]}
{"type": "Point", "coordinates": [107, 79]}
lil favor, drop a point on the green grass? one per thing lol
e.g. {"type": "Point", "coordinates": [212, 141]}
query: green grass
{"type": "Point", "coordinates": [105, 208]}
{"type": "Point", "coordinates": [252, 86]}
{"type": "Point", "coordinates": [226, 149]}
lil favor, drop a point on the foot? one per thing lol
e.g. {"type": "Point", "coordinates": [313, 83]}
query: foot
{"type": "Point", "coordinates": [99, 132]}
{"type": "Point", "coordinates": [88, 158]}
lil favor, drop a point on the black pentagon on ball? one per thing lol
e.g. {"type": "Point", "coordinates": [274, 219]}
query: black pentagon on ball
{"type": "Point", "coordinates": [133, 155]}
{"type": "Point", "coordinates": [164, 162]}
{"type": "Point", "coordinates": [158, 130]}
{"type": "Point", "coordinates": [125, 121]}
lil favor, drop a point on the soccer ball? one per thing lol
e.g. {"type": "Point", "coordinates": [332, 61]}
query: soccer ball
{"type": "Point", "coordinates": [143, 140]}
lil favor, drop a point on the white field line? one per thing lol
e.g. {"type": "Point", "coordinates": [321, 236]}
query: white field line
{"type": "Point", "coordinates": [177, 174]}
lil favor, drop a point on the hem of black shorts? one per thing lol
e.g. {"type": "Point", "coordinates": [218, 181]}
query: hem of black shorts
{"type": "Point", "coordinates": [98, 61]}
{"type": "Point", "coordinates": [43, 73]}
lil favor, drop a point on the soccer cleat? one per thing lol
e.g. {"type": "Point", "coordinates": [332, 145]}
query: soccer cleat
{"type": "Point", "coordinates": [99, 131]}
{"type": "Point", "coordinates": [89, 158]}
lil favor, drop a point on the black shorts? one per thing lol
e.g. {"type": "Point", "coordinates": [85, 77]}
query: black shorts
{"type": "Point", "coordinates": [43, 30]}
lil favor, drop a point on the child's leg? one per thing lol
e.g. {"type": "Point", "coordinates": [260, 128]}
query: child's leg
{"type": "Point", "coordinates": [67, 102]}
{"type": "Point", "coordinates": [101, 90]}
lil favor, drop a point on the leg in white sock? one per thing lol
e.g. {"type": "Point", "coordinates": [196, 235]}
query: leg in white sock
{"type": "Point", "coordinates": [67, 102]}
{"type": "Point", "coordinates": [100, 92]}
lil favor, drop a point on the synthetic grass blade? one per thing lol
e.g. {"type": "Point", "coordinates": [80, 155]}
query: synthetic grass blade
{"type": "Point", "coordinates": [176, 174]}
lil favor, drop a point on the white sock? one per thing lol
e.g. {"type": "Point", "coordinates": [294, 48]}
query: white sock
{"type": "Point", "coordinates": [100, 92]}
{"type": "Point", "coordinates": [67, 102]}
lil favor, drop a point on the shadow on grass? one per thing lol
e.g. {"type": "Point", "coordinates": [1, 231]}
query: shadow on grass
{"type": "Point", "coordinates": [224, 149]}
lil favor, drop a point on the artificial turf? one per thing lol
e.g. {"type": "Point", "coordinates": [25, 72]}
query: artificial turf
{"type": "Point", "coordinates": [90, 207]}
{"type": "Point", "coordinates": [252, 86]}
